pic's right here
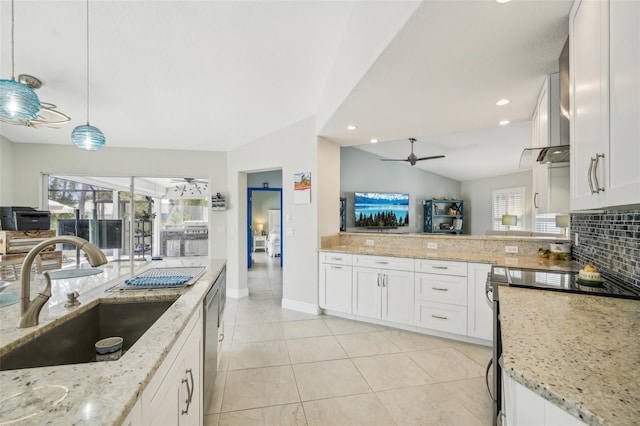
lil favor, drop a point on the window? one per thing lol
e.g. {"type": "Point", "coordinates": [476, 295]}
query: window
{"type": "Point", "coordinates": [507, 201]}
{"type": "Point", "coordinates": [547, 223]}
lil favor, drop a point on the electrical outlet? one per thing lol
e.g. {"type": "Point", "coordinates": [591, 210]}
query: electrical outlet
{"type": "Point", "coordinates": [576, 241]}
{"type": "Point", "coordinates": [432, 245]}
{"type": "Point", "coordinates": [369, 242]}
{"type": "Point", "coordinates": [511, 249]}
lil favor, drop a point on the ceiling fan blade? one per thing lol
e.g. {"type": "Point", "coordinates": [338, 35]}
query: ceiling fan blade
{"type": "Point", "coordinates": [393, 159]}
{"type": "Point", "coordinates": [430, 158]}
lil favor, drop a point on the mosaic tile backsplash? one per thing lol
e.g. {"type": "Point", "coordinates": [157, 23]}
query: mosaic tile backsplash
{"type": "Point", "coordinates": [610, 241]}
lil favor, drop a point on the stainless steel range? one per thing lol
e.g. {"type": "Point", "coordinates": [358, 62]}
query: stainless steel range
{"type": "Point", "coordinates": [536, 279]}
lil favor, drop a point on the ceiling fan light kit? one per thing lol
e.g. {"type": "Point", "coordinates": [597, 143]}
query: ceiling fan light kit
{"type": "Point", "coordinates": [88, 137]}
{"type": "Point", "coordinates": [412, 158]}
{"type": "Point", "coordinates": [17, 100]}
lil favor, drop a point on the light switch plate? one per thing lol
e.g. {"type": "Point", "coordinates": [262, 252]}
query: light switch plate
{"type": "Point", "coordinates": [369, 242]}
{"type": "Point", "coordinates": [432, 245]}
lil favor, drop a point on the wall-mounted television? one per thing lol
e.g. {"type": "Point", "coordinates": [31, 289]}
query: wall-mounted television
{"type": "Point", "coordinates": [381, 209]}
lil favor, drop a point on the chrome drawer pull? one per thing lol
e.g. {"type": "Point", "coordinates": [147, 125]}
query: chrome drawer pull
{"type": "Point", "coordinates": [380, 262]}
{"type": "Point", "coordinates": [595, 173]}
{"type": "Point", "coordinates": [590, 174]}
{"type": "Point", "coordinates": [440, 267]}
{"type": "Point", "coordinates": [439, 317]}
{"type": "Point", "coordinates": [336, 267]}
{"type": "Point", "coordinates": [336, 258]}
{"type": "Point", "coordinates": [439, 289]}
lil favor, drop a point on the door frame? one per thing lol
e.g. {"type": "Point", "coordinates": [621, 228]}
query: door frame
{"type": "Point", "coordinates": [250, 191]}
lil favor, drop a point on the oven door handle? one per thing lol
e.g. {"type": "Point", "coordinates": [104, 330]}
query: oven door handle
{"type": "Point", "coordinates": [488, 288]}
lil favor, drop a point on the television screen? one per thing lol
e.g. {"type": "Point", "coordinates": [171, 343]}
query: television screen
{"type": "Point", "coordinates": [381, 209]}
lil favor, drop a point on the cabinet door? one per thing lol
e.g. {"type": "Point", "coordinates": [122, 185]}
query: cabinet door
{"type": "Point", "coordinates": [168, 406]}
{"type": "Point", "coordinates": [479, 314]}
{"type": "Point", "coordinates": [367, 293]}
{"type": "Point", "coordinates": [190, 386]}
{"type": "Point", "coordinates": [589, 100]}
{"type": "Point", "coordinates": [397, 296]}
{"type": "Point", "coordinates": [335, 287]}
{"type": "Point", "coordinates": [624, 143]}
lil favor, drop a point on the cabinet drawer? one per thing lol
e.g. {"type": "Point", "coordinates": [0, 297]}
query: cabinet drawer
{"type": "Point", "coordinates": [441, 289]}
{"type": "Point", "coordinates": [336, 258]}
{"type": "Point", "coordinates": [442, 317]}
{"type": "Point", "coordinates": [384, 262]}
{"type": "Point", "coordinates": [443, 267]}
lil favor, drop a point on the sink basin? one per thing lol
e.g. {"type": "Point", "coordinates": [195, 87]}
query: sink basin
{"type": "Point", "coordinates": [73, 341]}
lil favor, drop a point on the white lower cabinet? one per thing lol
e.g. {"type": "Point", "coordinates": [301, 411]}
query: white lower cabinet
{"type": "Point", "coordinates": [479, 313]}
{"type": "Point", "coordinates": [174, 394]}
{"type": "Point", "coordinates": [523, 407]}
{"type": "Point", "coordinates": [335, 282]}
{"type": "Point", "coordinates": [383, 288]}
{"type": "Point", "coordinates": [441, 297]}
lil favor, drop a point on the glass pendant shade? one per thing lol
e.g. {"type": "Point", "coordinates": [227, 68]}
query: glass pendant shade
{"type": "Point", "coordinates": [88, 137]}
{"type": "Point", "coordinates": [18, 101]}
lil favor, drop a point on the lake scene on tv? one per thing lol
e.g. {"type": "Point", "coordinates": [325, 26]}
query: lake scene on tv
{"type": "Point", "coordinates": [381, 209]}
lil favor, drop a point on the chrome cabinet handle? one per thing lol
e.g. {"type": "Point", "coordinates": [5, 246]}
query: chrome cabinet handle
{"type": "Point", "coordinates": [336, 258]}
{"type": "Point", "coordinates": [440, 267]}
{"type": "Point", "coordinates": [595, 173]}
{"type": "Point", "coordinates": [221, 338]}
{"type": "Point", "coordinates": [380, 262]}
{"type": "Point", "coordinates": [384, 279]}
{"type": "Point", "coordinates": [336, 267]}
{"type": "Point", "coordinates": [378, 280]}
{"type": "Point", "coordinates": [590, 174]}
{"type": "Point", "coordinates": [535, 200]}
{"type": "Point", "coordinates": [189, 391]}
{"type": "Point", "coordinates": [439, 317]}
{"type": "Point", "coordinates": [439, 288]}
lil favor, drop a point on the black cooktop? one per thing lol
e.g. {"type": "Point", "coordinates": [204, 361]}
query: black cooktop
{"type": "Point", "coordinates": [561, 281]}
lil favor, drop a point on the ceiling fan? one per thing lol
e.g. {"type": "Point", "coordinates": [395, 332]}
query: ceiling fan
{"type": "Point", "coordinates": [189, 180]}
{"type": "Point", "coordinates": [412, 158]}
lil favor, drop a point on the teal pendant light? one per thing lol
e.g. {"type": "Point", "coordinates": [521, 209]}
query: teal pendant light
{"type": "Point", "coordinates": [86, 136]}
{"type": "Point", "coordinates": [17, 101]}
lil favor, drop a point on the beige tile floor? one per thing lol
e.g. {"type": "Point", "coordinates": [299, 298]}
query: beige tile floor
{"type": "Point", "coordinates": [280, 367]}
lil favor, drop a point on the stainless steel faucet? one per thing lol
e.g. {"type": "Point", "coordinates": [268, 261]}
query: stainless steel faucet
{"type": "Point", "coordinates": [30, 309]}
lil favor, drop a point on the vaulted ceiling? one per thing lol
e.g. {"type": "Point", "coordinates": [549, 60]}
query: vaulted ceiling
{"type": "Point", "coordinates": [214, 75]}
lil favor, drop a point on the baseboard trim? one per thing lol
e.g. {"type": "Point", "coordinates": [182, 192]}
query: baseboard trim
{"type": "Point", "coordinates": [237, 293]}
{"type": "Point", "coordinates": [307, 308]}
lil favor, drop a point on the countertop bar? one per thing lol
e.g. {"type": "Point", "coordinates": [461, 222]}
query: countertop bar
{"type": "Point", "coordinates": [580, 352]}
{"type": "Point", "coordinates": [530, 262]}
{"type": "Point", "coordinates": [101, 393]}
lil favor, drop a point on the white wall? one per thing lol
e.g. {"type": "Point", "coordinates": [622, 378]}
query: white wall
{"type": "Point", "coordinates": [292, 149]}
{"type": "Point", "coordinates": [328, 184]}
{"type": "Point", "coordinates": [363, 171]}
{"type": "Point", "coordinates": [6, 173]}
{"type": "Point", "coordinates": [477, 196]}
{"type": "Point", "coordinates": [32, 160]}
{"type": "Point", "coordinates": [272, 177]}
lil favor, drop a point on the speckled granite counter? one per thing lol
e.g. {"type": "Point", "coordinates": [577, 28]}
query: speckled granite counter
{"type": "Point", "coordinates": [532, 262]}
{"type": "Point", "coordinates": [99, 393]}
{"type": "Point", "coordinates": [580, 352]}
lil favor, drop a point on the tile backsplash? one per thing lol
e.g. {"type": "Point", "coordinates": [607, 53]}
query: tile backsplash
{"type": "Point", "coordinates": [610, 241]}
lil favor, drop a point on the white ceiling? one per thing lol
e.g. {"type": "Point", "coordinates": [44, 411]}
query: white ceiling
{"type": "Point", "coordinates": [214, 75]}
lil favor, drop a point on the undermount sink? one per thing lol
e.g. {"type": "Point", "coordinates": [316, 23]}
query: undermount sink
{"type": "Point", "coordinates": [73, 341]}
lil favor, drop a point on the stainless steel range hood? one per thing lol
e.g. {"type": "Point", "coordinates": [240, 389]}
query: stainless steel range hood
{"type": "Point", "coordinates": [558, 149]}
{"type": "Point", "coordinates": [548, 155]}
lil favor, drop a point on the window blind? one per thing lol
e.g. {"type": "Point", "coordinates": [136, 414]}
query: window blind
{"type": "Point", "coordinates": [507, 201]}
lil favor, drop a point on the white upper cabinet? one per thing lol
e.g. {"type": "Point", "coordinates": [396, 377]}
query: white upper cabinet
{"type": "Point", "coordinates": [605, 95]}
{"type": "Point", "coordinates": [623, 180]}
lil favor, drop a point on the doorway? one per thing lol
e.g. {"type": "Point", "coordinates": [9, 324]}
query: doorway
{"type": "Point", "coordinates": [264, 223]}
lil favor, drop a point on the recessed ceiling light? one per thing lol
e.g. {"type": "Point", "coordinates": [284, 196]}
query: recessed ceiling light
{"type": "Point", "coordinates": [502, 102]}
{"type": "Point", "coordinates": [352, 127]}
{"type": "Point", "coordinates": [504, 122]}
{"type": "Point", "coordinates": [374, 140]}
{"type": "Point", "coordinates": [503, 1]}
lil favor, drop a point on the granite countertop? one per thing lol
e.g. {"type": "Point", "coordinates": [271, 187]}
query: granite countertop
{"type": "Point", "coordinates": [531, 262]}
{"type": "Point", "coordinates": [98, 393]}
{"type": "Point", "coordinates": [580, 352]}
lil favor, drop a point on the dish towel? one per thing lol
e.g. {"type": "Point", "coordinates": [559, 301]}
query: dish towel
{"type": "Point", "coordinates": [171, 280]}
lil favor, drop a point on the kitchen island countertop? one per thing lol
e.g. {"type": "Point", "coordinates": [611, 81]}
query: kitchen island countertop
{"type": "Point", "coordinates": [580, 352]}
{"type": "Point", "coordinates": [98, 393]}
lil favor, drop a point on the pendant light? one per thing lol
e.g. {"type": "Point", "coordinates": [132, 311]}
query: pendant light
{"type": "Point", "coordinates": [17, 101]}
{"type": "Point", "coordinates": [86, 136]}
